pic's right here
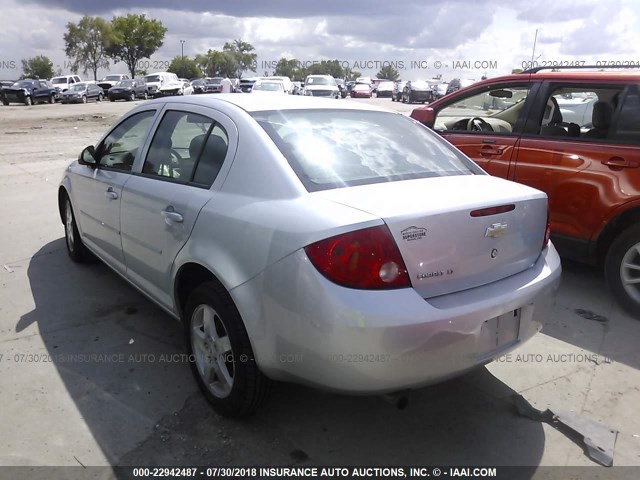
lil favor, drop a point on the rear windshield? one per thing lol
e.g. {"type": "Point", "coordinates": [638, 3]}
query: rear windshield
{"type": "Point", "coordinates": [152, 78]}
{"type": "Point", "coordinates": [340, 148]}
{"type": "Point", "coordinates": [320, 81]}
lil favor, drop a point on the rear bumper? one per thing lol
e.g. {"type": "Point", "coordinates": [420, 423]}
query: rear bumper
{"type": "Point", "coordinates": [305, 329]}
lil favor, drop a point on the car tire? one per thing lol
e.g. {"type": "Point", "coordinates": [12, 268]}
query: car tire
{"type": "Point", "coordinates": [146, 95]}
{"type": "Point", "coordinates": [625, 250]}
{"type": "Point", "coordinates": [5, 102]}
{"type": "Point", "coordinates": [111, 99]}
{"type": "Point", "coordinates": [84, 99]}
{"type": "Point", "coordinates": [52, 99]}
{"type": "Point", "coordinates": [99, 97]}
{"type": "Point", "coordinates": [132, 97]}
{"type": "Point", "coordinates": [225, 370]}
{"type": "Point", "coordinates": [75, 248]}
{"type": "Point", "coordinates": [28, 101]}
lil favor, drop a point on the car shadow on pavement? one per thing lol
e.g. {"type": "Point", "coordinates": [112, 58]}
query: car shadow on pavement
{"type": "Point", "coordinates": [121, 360]}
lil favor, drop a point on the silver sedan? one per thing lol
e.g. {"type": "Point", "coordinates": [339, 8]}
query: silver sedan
{"type": "Point", "coordinates": [298, 239]}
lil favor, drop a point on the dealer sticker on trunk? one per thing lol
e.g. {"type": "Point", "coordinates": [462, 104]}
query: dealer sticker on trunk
{"type": "Point", "coordinates": [413, 233]}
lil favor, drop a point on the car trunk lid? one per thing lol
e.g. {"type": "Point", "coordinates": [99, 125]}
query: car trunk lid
{"type": "Point", "coordinates": [444, 247]}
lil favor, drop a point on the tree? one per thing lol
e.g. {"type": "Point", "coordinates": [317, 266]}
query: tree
{"type": "Point", "coordinates": [86, 44]}
{"type": "Point", "coordinates": [289, 68]}
{"type": "Point", "coordinates": [326, 67]}
{"type": "Point", "coordinates": [351, 75]}
{"type": "Point", "coordinates": [37, 67]}
{"type": "Point", "coordinates": [184, 67]}
{"type": "Point", "coordinates": [215, 63]}
{"type": "Point", "coordinates": [135, 37]}
{"type": "Point", "coordinates": [240, 54]}
{"type": "Point", "coordinates": [516, 70]}
{"type": "Point", "coordinates": [389, 73]}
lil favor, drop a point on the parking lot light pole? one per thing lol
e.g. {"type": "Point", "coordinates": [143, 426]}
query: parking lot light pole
{"type": "Point", "coordinates": [182, 42]}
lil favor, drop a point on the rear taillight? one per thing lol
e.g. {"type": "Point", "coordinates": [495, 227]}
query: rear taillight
{"type": "Point", "coordinates": [547, 232]}
{"type": "Point", "coordinates": [366, 259]}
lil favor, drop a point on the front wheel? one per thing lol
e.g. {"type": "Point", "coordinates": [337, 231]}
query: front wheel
{"type": "Point", "coordinates": [99, 97]}
{"type": "Point", "coordinates": [84, 99]}
{"type": "Point", "coordinates": [52, 99]}
{"type": "Point", "coordinates": [146, 95]}
{"type": "Point", "coordinates": [622, 269]}
{"type": "Point", "coordinates": [75, 248]}
{"type": "Point", "coordinates": [132, 96]}
{"type": "Point", "coordinates": [28, 101]}
{"type": "Point", "coordinates": [220, 353]}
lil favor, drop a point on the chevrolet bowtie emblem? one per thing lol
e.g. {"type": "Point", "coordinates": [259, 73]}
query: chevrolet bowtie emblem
{"type": "Point", "coordinates": [495, 230]}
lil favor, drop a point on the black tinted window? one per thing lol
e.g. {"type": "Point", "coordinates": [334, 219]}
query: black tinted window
{"type": "Point", "coordinates": [628, 124]}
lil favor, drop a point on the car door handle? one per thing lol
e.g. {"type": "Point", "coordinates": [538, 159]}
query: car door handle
{"type": "Point", "coordinates": [619, 162]}
{"type": "Point", "coordinates": [110, 194]}
{"type": "Point", "coordinates": [490, 150]}
{"type": "Point", "coordinates": [171, 216]}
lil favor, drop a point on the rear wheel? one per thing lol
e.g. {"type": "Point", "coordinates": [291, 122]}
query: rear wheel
{"type": "Point", "coordinates": [52, 99]}
{"type": "Point", "coordinates": [622, 269]}
{"type": "Point", "coordinates": [132, 96]}
{"type": "Point", "coordinates": [75, 248]}
{"type": "Point", "coordinates": [84, 99]}
{"type": "Point", "coordinates": [28, 101]}
{"type": "Point", "coordinates": [5, 102]}
{"type": "Point", "coordinates": [99, 97]}
{"type": "Point", "coordinates": [220, 353]}
{"type": "Point", "coordinates": [146, 95]}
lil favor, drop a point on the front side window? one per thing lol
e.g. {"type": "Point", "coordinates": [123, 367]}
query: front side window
{"type": "Point", "coordinates": [496, 110]}
{"type": "Point", "coordinates": [120, 149]}
{"type": "Point", "coordinates": [338, 148]}
{"type": "Point", "coordinates": [187, 147]}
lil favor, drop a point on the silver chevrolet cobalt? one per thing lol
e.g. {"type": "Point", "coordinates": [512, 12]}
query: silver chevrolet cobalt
{"type": "Point", "coordinates": [301, 239]}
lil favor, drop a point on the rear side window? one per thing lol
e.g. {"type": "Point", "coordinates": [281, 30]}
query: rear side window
{"type": "Point", "coordinates": [339, 148]}
{"type": "Point", "coordinates": [627, 129]}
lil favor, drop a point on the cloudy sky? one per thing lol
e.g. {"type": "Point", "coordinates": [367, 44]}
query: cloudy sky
{"type": "Point", "coordinates": [423, 37]}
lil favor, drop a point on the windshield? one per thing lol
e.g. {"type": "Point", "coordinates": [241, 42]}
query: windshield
{"type": "Point", "coordinates": [152, 78]}
{"type": "Point", "coordinates": [320, 81]}
{"type": "Point", "coordinates": [213, 81]}
{"type": "Point", "coordinates": [58, 80]}
{"type": "Point", "coordinates": [268, 86]}
{"type": "Point", "coordinates": [77, 87]}
{"type": "Point", "coordinates": [338, 148]}
{"type": "Point", "coordinates": [23, 84]}
{"type": "Point", "coordinates": [111, 78]}
{"type": "Point", "coordinates": [125, 83]}
{"type": "Point", "coordinates": [197, 82]}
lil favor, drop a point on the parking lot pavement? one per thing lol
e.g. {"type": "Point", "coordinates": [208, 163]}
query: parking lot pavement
{"type": "Point", "coordinates": [91, 372]}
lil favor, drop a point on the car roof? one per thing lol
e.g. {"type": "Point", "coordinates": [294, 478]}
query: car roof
{"type": "Point", "coordinates": [259, 103]}
{"type": "Point", "coordinates": [568, 75]}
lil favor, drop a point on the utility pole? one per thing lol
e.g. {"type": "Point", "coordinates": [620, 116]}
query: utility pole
{"type": "Point", "coordinates": [182, 42]}
{"type": "Point", "coordinates": [533, 53]}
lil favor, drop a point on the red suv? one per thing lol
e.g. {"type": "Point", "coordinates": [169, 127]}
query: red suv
{"type": "Point", "coordinates": [576, 136]}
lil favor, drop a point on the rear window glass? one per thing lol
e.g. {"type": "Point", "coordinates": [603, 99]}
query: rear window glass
{"type": "Point", "coordinates": [339, 148]}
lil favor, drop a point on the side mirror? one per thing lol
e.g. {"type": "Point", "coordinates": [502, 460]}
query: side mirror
{"type": "Point", "coordinates": [87, 157]}
{"type": "Point", "coordinates": [424, 115]}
